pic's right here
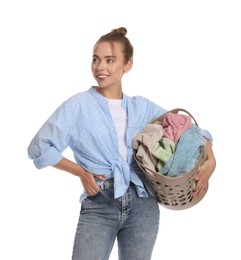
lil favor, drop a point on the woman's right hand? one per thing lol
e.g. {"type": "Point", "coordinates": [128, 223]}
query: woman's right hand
{"type": "Point", "coordinates": [88, 181]}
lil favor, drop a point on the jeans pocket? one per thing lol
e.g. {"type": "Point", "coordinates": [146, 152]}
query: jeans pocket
{"type": "Point", "coordinates": [95, 195]}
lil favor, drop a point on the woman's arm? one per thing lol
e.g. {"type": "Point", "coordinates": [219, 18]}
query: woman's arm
{"type": "Point", "coordinates": [87, 178]}
{"type": "Point", "coordinates": [205, 171]}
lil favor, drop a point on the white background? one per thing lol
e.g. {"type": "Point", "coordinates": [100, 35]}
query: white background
{"type": "Point", "coordinates": [187, 54]}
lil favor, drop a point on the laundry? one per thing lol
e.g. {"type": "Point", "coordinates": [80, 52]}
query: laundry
{"type": "Point", "coordinates": [172, 149]}
{"type": "Point", "coordinates": [163, 151]}
{"type": "Point", "coordinates": [174, 125]}
{"type": "Point", "coordinates": [186, 154]}
{"type": "Point", "coordinates": [144, 143]}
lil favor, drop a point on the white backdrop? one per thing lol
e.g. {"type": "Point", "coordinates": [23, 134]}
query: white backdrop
{"type": "Point", "coordinates": [187, 54]}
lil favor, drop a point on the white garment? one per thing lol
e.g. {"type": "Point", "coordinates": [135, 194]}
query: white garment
{"type": "Point", "coordinates": [119, 117]}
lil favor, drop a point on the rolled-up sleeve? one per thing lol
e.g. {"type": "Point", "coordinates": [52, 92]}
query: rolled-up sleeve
{"type": "Point", "coordinates": [50, 157]}
{"type": "Point", "coordinates": [52, 139]}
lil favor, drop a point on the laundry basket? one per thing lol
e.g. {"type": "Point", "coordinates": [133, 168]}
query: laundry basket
{"type": "Point", "coordinates": [174, 192]}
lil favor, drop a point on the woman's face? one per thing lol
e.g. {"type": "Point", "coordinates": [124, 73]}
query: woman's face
{"type": "Point", "coordinates": [108, 65]}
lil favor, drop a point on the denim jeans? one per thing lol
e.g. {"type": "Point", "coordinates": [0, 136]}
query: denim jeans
{"type": "Point", "coordinates": [132, 220]}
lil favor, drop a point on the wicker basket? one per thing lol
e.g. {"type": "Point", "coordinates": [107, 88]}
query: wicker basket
{"type": "Point", "coordinates": [175, 192]}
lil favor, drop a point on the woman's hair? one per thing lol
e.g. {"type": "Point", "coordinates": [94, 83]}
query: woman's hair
{"type": "Point", "coordinates": [119, 35]}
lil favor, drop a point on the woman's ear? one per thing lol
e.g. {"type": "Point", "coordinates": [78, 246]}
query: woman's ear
{"type": "Point", "coordinates": [128, 66]}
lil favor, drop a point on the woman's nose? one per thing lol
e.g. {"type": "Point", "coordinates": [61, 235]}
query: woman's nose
{"type": "Point", "coordinates": [100, 66]}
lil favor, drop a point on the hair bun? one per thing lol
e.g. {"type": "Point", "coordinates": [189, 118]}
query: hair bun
{"type": "Point", "coordinates": [120, 31]}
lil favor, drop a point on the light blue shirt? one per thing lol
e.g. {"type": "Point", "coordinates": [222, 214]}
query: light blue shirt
{"type": "Point", "coordinates": [84, 123]}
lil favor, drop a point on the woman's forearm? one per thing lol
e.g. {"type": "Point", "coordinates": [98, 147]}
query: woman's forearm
{"type": "Point", "coordinates": [69, 166]}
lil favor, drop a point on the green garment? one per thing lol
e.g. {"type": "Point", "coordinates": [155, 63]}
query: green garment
{"type": "Point", "coordinates": [163, 151]}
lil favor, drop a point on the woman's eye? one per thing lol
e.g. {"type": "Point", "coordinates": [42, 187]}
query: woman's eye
{"type": "Point", "coordinates": [110, 61]}
{"type": "Point", "coordinates": [94, 60]}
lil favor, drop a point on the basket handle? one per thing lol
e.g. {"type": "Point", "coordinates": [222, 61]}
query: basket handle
{"type": "Point", "coordinates": [175, 111]}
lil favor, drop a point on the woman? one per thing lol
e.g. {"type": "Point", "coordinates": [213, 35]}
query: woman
{"type": "Point", "coordinates": [99, 125]}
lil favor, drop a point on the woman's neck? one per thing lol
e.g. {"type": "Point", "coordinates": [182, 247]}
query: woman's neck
{"type": "Point", "coordinates": [110, 94]}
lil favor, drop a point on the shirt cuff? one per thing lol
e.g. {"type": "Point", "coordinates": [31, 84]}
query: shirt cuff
{"type": "Point", "coordinates": [49, 158]}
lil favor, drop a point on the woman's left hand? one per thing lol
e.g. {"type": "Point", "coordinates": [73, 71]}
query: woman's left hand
{"type": "Point", "coordinates": [205, 171]}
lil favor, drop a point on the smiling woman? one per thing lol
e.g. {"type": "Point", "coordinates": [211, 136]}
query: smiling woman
{"type": "Point", "coordinates": [99, 125]}
{"type": "Point", "coordinates": [113, 56]}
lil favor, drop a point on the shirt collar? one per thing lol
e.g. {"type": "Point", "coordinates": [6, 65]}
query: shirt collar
{"type": "Point", "coordinates": [102, 100]}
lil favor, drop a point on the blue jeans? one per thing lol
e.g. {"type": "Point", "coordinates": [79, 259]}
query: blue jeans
{"type": "Point", "coordinates": [132, 220]}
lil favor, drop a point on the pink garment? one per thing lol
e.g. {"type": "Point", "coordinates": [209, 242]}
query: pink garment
{"type": "Point", "coordinates": [174, 125]}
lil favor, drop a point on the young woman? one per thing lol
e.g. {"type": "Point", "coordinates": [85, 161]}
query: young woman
{"type": "Point", "coordinates": [99, 125]}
